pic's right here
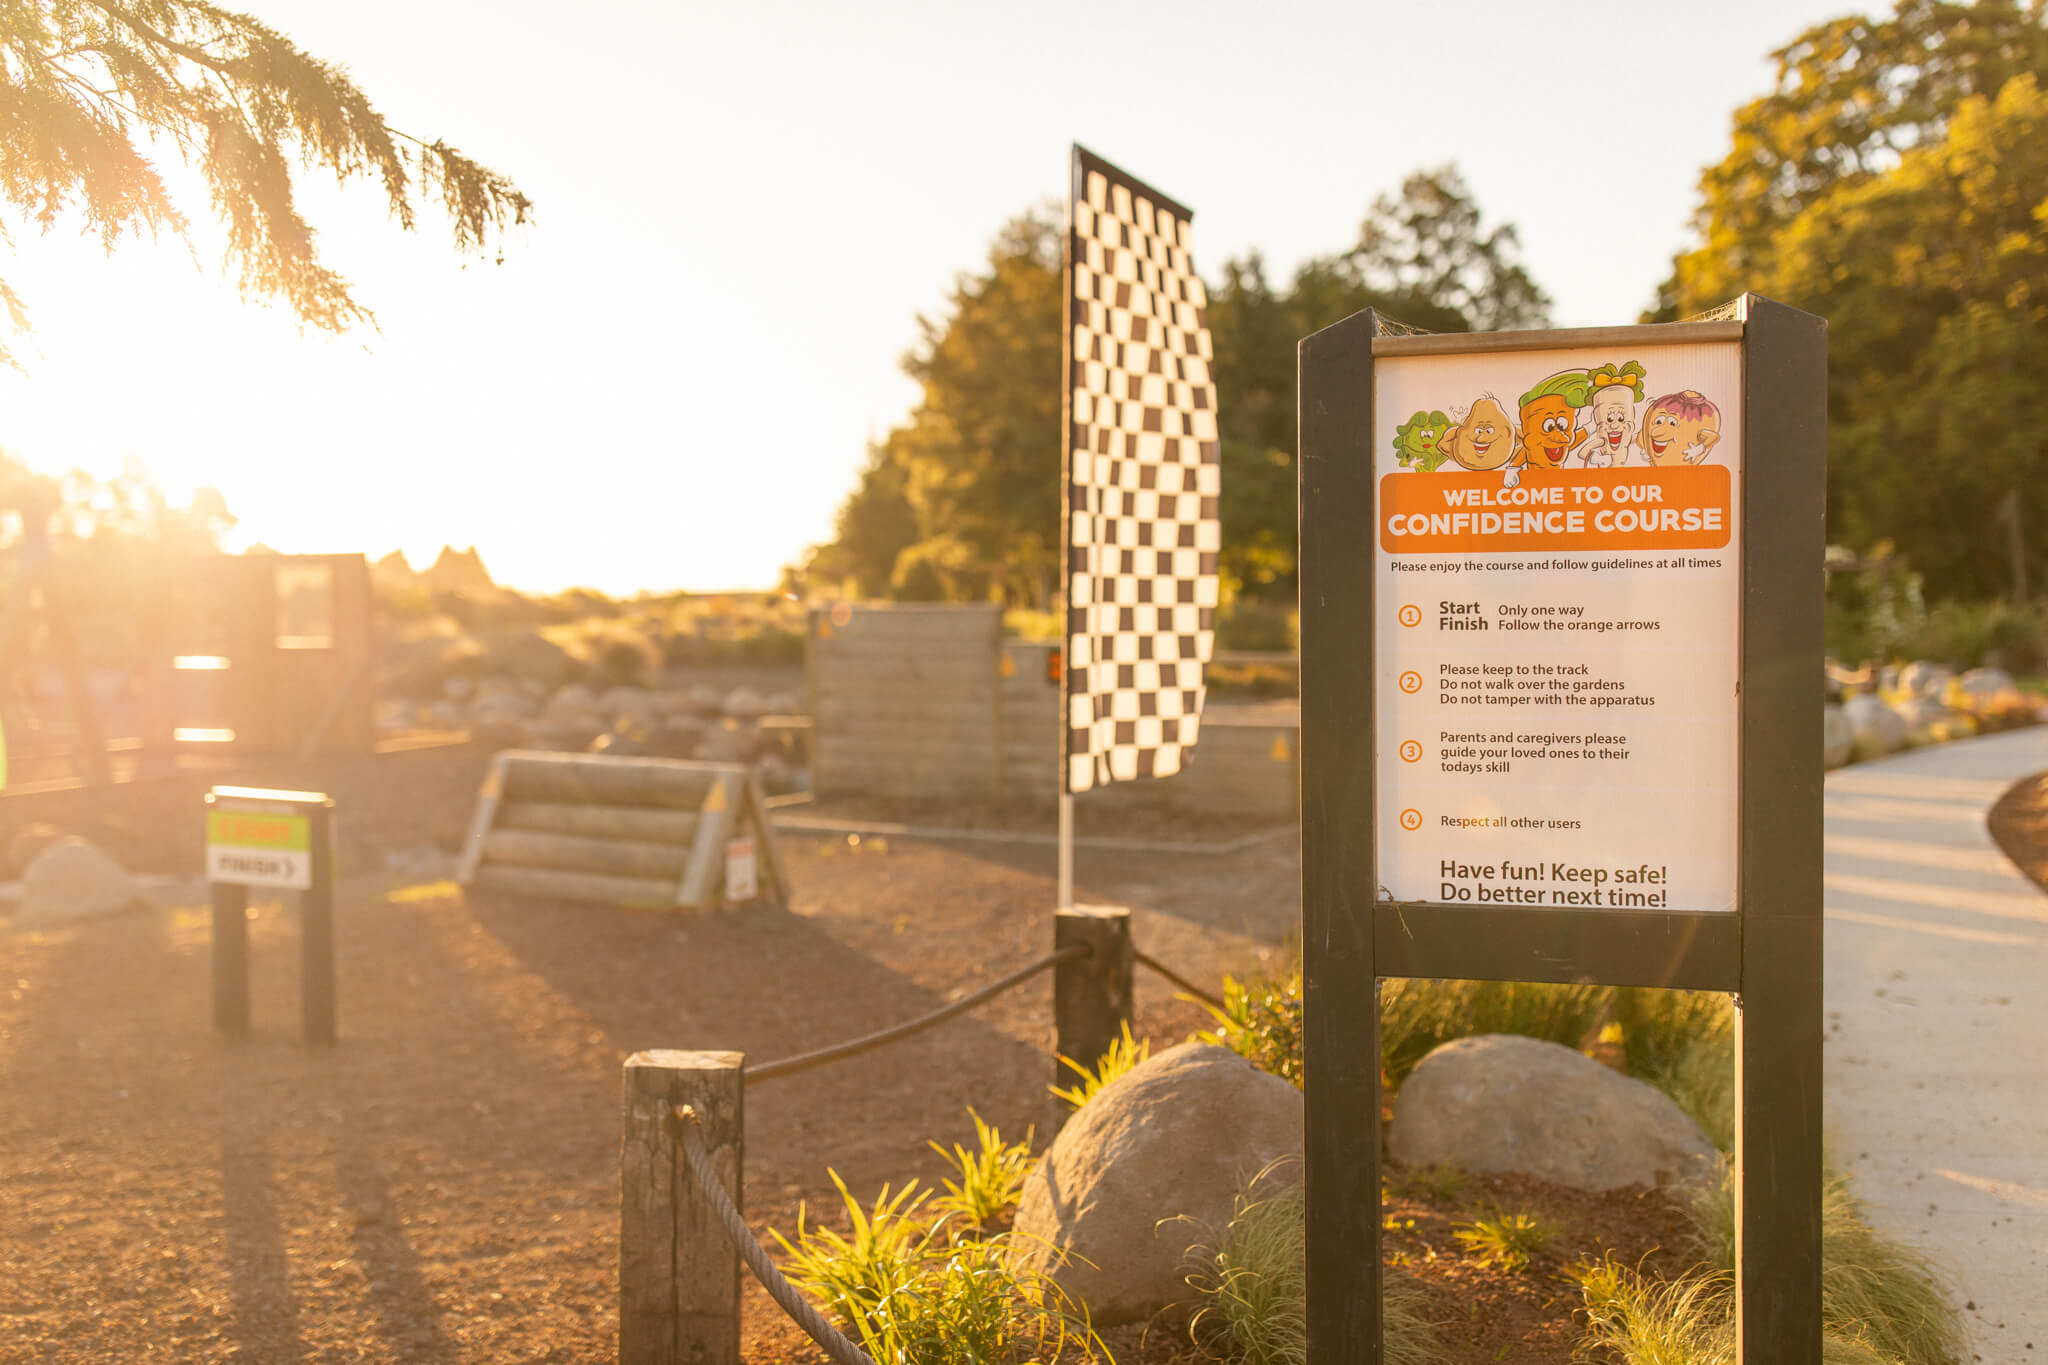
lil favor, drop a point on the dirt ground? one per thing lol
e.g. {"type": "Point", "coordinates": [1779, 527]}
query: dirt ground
{"type": "Point", "coordinates": [442, 1186]}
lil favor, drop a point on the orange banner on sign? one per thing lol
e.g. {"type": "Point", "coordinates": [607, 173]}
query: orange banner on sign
{"type": "Point", "coordinates": [1685, 507]}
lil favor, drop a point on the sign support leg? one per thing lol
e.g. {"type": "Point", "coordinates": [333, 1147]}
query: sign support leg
{"type": "Point", "coordinates": [316, 936]}
{"type": "Point", "coordinates": [231, 959]}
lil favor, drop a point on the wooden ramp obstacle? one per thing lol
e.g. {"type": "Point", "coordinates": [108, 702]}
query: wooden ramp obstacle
{"type": "Point", "coordinates": [653, 833]}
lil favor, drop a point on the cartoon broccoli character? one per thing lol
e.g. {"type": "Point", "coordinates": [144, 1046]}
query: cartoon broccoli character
{"type": "Point", "coordinates": [1415, 442]}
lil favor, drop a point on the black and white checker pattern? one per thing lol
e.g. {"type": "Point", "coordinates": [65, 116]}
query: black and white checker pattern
{"type": "Point", "coordinates": [1143, 474]}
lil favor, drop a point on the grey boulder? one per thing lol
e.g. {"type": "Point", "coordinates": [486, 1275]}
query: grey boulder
{"type": "Point", "coordinates": [1499, 1103]}
{"type": "Point", "coordinates": [72, 879]}
{"type": "Point", "coordinates": [1149, 1169]}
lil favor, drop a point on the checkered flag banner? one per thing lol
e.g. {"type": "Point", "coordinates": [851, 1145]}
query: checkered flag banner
{"type": "Point", "coordinates": [1143, 473]}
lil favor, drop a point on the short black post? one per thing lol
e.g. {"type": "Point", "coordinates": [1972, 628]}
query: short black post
{"type": "Point", "coordinates": [316, 932]}
{"type": "Point", "coordinates": [231, 958]}
{"type": "Point", "coordinates": [1091, 996]}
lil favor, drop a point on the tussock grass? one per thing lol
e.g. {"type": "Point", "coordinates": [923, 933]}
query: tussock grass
{"type": "Point", "coordinates": [1253, 1284]}
{"type": "Point", "coordinates": [1417, 1016]}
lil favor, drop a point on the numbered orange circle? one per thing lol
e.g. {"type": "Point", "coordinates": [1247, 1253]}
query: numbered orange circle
{"type": "Point", "coordinates": [1411, 615]}
{"type": "Point", "coordinates": [1411, 681]}
{"type": "Point", "coordinates": [1410, 751]}
{"type": "Point", "coordinates": [1411, 818]}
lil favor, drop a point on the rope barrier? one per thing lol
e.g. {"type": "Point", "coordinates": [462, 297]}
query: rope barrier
{"type": "Point", "coordinates": [800, 1309]}
{"type": "Point", "coordinates": [768, 1071]}
{"type": "Point", "coordinates": [1177, 979]}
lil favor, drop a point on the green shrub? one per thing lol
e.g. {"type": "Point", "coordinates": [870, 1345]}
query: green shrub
{"type": "Point", "coordinates": [1261, 1021]}
{"type": "Point", "coordinates": [1253, 1284]}
{"type": "Point", "coordinates": [991, 1176]}
{"type": "Point", "coordinates": [1257, 627]}
{"type": "Point", "coordinates": [1123, 1054]}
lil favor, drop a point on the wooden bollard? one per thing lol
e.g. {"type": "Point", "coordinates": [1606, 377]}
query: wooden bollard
{"type": "Point", "coordinates": [1091, 996]}
{"type": "Point", "coordinates": [679, 1275]}
{"type": "Point", "coordinates": [231, 959]}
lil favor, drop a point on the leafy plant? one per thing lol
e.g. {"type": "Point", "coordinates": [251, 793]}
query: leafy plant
{"type": "Point", "coordinates": [1254, 1287]}
{"type": "Point", "coordinates": [1508, 1241]}
{"type": "Point", "coordinates": [1261, 1021]}
{"type": "Point", "coordinates": [855, 1275]}
{"type": "Point", "coordinates": [910, 1291]}
{"type": "Point", "coordinates": [1123, 1054]}
{"type": "Point", "coordinates": [991, 1175]}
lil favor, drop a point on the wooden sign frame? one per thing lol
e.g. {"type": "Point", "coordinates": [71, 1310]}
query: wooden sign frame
{"type": "Point", "coordinates": [1767, 953]}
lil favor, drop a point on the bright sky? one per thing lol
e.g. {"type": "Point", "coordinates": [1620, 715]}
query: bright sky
{"type": "Point", "coordinates": [672, 379]}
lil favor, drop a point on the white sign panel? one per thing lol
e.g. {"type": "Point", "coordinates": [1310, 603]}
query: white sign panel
{"type": "Point", "coordinates": [742, 870]}
{"type": "Point", "coordinates": [259, 847]}
{"type": "Point", "coordinates": [1557, 607]}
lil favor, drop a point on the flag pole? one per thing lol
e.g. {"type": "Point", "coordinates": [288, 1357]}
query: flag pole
{"type": "Point", "coordinates": [1066, 884]}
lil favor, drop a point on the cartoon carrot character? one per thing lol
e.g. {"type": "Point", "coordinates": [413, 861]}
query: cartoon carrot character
{"type": "Point", "coordinates": [1616, 391]}
{"type": "Point", "coordinates": [1679, 428]}
{"type": "Point", "coordinates": [1550, 415]}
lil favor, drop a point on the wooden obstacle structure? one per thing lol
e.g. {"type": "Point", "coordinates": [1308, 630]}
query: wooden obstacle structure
{"type": "Point", "coordinates": [651, 833]}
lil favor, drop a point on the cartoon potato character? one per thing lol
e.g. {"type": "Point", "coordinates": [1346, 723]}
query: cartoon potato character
{"type": "Point", "coordinates": [1415, 444]}
{"type": "Point", "coordinates": [1615, 395]}
{"type": "Point", "coordinates": [1679, 428]}
{"type": "Point", "coordinates": [1550, 416]}
{"type": "Point", "coordinates": [1486, 439]}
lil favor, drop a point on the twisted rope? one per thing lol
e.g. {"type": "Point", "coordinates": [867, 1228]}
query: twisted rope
{"type": "Point", "coordinates": [768, 1071]}
{"type": "Point", "coordinates": [1206, 997]}
{"type": "Point", "coordinates": [799, 1308]}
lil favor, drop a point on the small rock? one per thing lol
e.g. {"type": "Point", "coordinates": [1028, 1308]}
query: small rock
{"type": "Point", "coordinates": [1926, 680]}
{"type": "Point", "coordinates": [72, 879]}
{"type": "Point", "coordinates": [1878, 729]}
{"type": "Point", "coordinates": [1150, 1168]}
{"type": "Point", "coordinates": [783, 704]}
{"type": "Point", "coordinates": [1838, 737]}
{"type": "Point", "coordinates": [27, 845]}
{"type": "Point", "coordinates": [726, 742]}
{"type": "Point", "coordinates": [1501, 1102]}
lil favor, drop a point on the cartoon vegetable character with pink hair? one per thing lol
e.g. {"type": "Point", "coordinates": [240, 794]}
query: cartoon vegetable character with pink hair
{"type": "Point", "coordinates": [1679, 428]}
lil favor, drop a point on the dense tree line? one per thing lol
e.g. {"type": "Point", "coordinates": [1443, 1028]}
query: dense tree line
{"type": "Point", "coordinates": [961, 501]}
{"type": "Point", "coordinates": [1894, 180]}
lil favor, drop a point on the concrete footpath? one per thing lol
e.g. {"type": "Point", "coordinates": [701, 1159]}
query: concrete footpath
{"type": "Point", "coordinates": [1937, 1012]}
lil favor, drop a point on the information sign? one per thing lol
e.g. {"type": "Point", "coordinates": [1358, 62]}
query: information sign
{"type": "Point", "coordinates": [1558, 606]}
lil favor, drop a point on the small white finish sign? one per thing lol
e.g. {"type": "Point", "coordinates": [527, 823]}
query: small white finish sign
{"type": "Point", "coordinates": [742, 870]}
{"type": "Point", "coordinates": [259, 848]}
{"type": "Point", "coordinates": [1557, 600]}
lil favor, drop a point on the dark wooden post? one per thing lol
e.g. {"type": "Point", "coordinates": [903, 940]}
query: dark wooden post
{"type": "Point", "coordinates": [231, 958]}
{"type": "Point", "coordinates": [1779, 1027]}
{"type": "Point", "coordinates": [1340, 978]}
{"type": "Point", "coordinates": [679, 1275]}
{"type": "Point", "coordinates": [1091, 996]}
{"type": "Point", "coordinates": [316, 932]}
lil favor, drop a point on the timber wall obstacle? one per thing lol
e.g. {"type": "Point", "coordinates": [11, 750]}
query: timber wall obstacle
{"type": "Point", "coordinates": [915, 700]}
{"type": "Point", "coordinates": [652, 833]}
